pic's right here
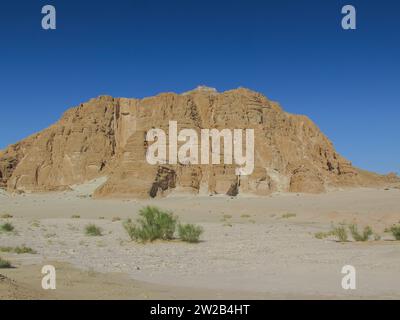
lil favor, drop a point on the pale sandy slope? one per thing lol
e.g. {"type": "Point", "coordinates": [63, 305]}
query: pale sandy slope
{"type": "Point", "coordinates": [255, 253]}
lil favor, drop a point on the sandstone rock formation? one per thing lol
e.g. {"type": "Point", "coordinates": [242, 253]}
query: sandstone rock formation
{"type": "Point", "coordinates": [106, 137]}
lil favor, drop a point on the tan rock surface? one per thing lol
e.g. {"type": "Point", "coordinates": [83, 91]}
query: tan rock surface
{"type": "Point", "coordinates": [106, 137]}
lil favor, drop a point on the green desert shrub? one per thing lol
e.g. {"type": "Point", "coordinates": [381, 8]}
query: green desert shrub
{"type": "Point", "coordinates": [23, 249]}
{"type": "Point", "coordinates": [7, 227]}
{"type": "Point", "coordinates": [226, 217]}
{"type": "Point", "coordinates": [93, 230]}
{"type": "Point", "coordinates": [323, 235]}
{"type": "Point", "coordinates": [189, 232]}
{"type": "Point", "coordinates": [396, 231]}
{"type": "Point", "coordinates": [4, 264]}
{"type": "Point", "coordinates": [18, 250]}
{"type": "Point", "coordinates": [367, 232]}
{"type": "Point", "coordinates": [341, 233]}
{"type": "Point", "coordinates": [288, 215]}
{"type": "Point", "coordinates": [153, 224]}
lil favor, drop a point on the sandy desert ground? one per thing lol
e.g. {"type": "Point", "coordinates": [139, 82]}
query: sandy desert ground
{"type": "Point", "coordinates": [251, 248]}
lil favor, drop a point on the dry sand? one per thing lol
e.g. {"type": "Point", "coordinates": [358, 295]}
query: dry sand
{"type": "Point", "coordinates": [248, 249]}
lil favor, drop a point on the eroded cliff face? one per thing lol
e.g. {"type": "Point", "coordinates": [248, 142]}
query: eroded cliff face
{"type": "Point", "coordinates": [106, 137]}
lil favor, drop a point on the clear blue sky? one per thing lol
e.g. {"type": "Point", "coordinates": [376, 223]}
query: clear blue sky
{"type": "Point", "coordinates": [294, 52]}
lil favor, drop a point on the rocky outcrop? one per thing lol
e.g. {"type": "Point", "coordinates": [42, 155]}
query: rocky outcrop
{"type": "Point", "coordinates": [106, 137]}
{"type": "Point", "coordinates": [75, 149]}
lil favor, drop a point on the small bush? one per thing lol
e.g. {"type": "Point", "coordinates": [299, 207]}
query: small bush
{"type": "Point", "coordinates": [189, 232]}
{"type": "Point", "coordinates": [93, 230]}
{"type": "Point", "coordinates": [396, 231]}
{"type": "Point", "coordinates": [75, 216]}
{"type": "Point", "coordinates": [245, 216]}
{"type": "Point", "coordinates": [7, 227]}
{"type": "Point", "coordinates": [115, 219]}
{"type": "Point", "coordinates": [225, 217]}
{"type": "Point", "coordinates": [340, 233]}
{"type": "Point", "coordinates": [360, 237]}
{"type": "Point", "coordinates": [320, 235]}
{"type": "Point", "coordinates": [153, 224]}
{"type": "Point", "coordinates": [6, 216]}
{"type": "Point", "coordinates": [4, 264]}
{"type": "Point", "coordinates": [23, 249]}
{"type": "Point", "coordinates": [18, 250]}
{"type": "Point", "coordinates": [288, 215]}
{"type": "Point", "coordinates": [323, 235]}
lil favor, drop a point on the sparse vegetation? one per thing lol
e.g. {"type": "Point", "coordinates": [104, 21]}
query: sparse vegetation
{"type": "Point", "coordinates": [6, 216]}
{"type": "Point", "coordinates": [153, 224]}
{"type": "Point", "coordinates": [226, 216]}
{"type": "Point", "coordinates": [4, 264]}
{"type": "Point", "coordinates": [75, 216]}
{"type": "Point", "coordinates": [24, 249]}
{"type": "Point", "coordinates": [93, 230]}
{"type": "Point", "coordinates": [245, 216]}
{"type": "Point", "coordinates": [396, 231]}
{"type": "Point", "coordinates": [341, 233]}
{"type": "Point", "coordinates": [288, 215]}
{"type": "Point", "coordinates": [189, 232]}
{"type": "Point", "coordinates": [115, 219]}
{"type": "Point", "coordinates": [18, 250]}
{"type": "Point", "coordinates": [320, 235]}
{"type": "Point", "coordinates": [367, 232]}
{"type": "Point", "coordinates": [323, 235]}
{"type": "Point", "coordinates": [6, 227]}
